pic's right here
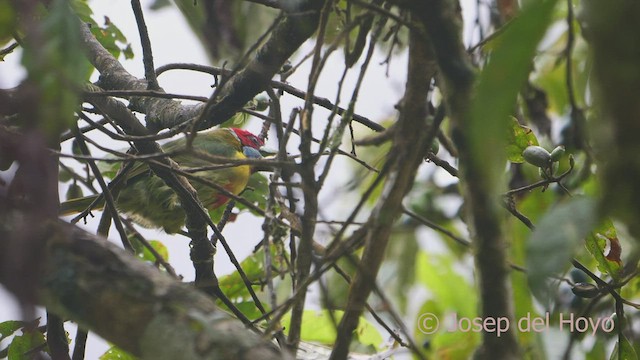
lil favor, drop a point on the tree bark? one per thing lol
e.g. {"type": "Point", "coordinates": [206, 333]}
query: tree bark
{"type": "Point", "coordinates": [96, 284]}
{"type": "Point", "coordinates": [611, 28]}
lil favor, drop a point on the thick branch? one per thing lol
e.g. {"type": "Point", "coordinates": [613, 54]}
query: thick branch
{"type": "Point", "coordinates": [114, 77]}
{"type": "Point", "coordinates": [611, 30]}
{"type": "Point", "coordinates": [443, 22]}
{"type": "Point", "coordinates": [294, 29]}
{"type": "Point", "coordinates": [131, 304]}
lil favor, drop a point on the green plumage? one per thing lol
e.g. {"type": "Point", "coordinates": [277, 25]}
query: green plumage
{"type": "Point", "coordinates": [148, 201]}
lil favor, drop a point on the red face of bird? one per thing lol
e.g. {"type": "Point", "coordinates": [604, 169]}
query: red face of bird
{"type": "Point", "coordinates": [248, 139]}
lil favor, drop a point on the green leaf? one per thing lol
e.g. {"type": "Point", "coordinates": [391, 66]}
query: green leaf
{"type": "Point", "coordinates": [159, 247]}
{"type": "Point", "coordinates": [23, 344]}
{"type": "Point", "coordinates": [112, 39]}
{"type": "Point", "coordinates": [437, 274]}
{"type": "Point", "coordinates": [444, 342]}
{"type": "Point", "coordinates": [109, 168]}
{"type": "Point", "coordinates": [128, 52]}
{"type": "Point", "coordinates": [57, 67]}
{"type": "Point", "coordinates": [597, 243]}
{"type": "Point", "coordinates": [518, 138]}
{"type": "Point", "coordinates": [623, 350]}
{"type": "Point", "coordinates": [83, 10]}
{"type": "Point", "coordinates": [319, 326]}
{"type": "Point", "coordinates": [7, 328]}
{"type": "Point", "coordinates": [115, 353]}
{"type": "Point", "coordinates": [554, 241]}
{"type": "Point", "coordinates": [253, 266]}
{"type": "Point", "coordinates": [499, 84]}
{"type": "Point", "coordinates": [7, 22]}
{"type": "Point", "coordinates": [598, 351]}
{"type": "Point", "coordinates": [74, 192]}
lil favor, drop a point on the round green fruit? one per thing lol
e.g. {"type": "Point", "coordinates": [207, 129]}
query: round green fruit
{"type": "Point", "coordinates": [537, 155]}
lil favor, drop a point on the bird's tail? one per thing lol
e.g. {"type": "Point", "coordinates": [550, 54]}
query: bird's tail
{"type": "Point", "coordinates": [77, 205]}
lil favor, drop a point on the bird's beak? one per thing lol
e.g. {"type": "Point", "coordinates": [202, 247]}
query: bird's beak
{"type": "Point", "coordinates": [253, 153]}
{"type": "Point", "coordinates": [266, 151]}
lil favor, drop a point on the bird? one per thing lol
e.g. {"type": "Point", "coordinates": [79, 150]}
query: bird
{"type": "Point", "coordinates": [148, 201]}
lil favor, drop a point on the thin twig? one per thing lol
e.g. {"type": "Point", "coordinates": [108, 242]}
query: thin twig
{"type": "Point", "coordinates": [147, 54]}
{"type": "Point", "coordinates": [111, 207]}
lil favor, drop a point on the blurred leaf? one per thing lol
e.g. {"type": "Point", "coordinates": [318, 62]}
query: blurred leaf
{"type": "Point", "coordinates": [597, 243]}
{"type": "Point", "coordinates": [74, 192]}
{"type": "Point", "coordinates": [128, 52]}
{"type": "Point", "coordinates": [598, 351]}
{"type": "Point", "coordinates": [499, 83]}
{"type": "Point", "coordinates": [230, 27]}
{"type": "Point", "coordinates": [115, 353]}
{"type": "Point", "coordinates": [257, 191]}
{"type": "Point", "coordinates": [554, 241]}
{"type": "Point", "coordinates": [455, 344]}
{"type": "Point", "coordinates": [253, 266]}
{"type": "Point", "coordinates": [138, 248]}
{"type": "Point", "coordinates": [7, 328]}
{"type": "Point", "coordinates": [248, 308]}
{"type": "Point", "coordinates": [518, 139]}
{"type": "Point", "coordinates": [57, 66]}
{"type": "Point", "coordinates": [534, 206]}
{"type": "Point", "coordinates": [64, 175]}
{"type": "Point", "coordinates": [398, 272]}
{"type": "Point", "coordinates": [160, 4]}
{"type": "Point", "coordinates": [109, 168]}
{"type": "Point", "coordinates": [23, 344]}
{"type": "Point", "coordinates": [157, 246]}
{"type": "Point", "coordinates": [551, 76]}
{"type": "Point", "coordinates": [623, 350]}
{"type": "Point", "coordinates": [112, 39]}
{"type": "Point", "coordinates": [83, 10]}
{"type": "Point", "coordinates": [444, 343]}
{"type": "Point", "coordinates": [317, 326]}
{"type": "Point", "coordinates": [436, 273]}
{"type": "Point", "coordinates": [7, 22]}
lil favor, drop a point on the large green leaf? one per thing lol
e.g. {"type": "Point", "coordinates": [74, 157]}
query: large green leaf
{"type": "Point", "coordinates": [555, 240]}
{"type": "Point", "coordinates": [499, 84]}
{"type": "Point", "coordinates": [452, 298]}
{"type": "Point", "coordinates": [623, 350]}
{"type": "Point", "coordinates": [449, 288]}
{"type": "Point", "coordinates": [57, 67]}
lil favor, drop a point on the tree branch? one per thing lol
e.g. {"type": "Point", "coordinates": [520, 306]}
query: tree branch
{"type": "Point", "coordinates": [294, 29]}
{"type": "Point", "coordinates": [197, 218]}
{"type": "Point", "coordinates": [133, 305]}
{"type": "Point", "coordinates": [443, 21]}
